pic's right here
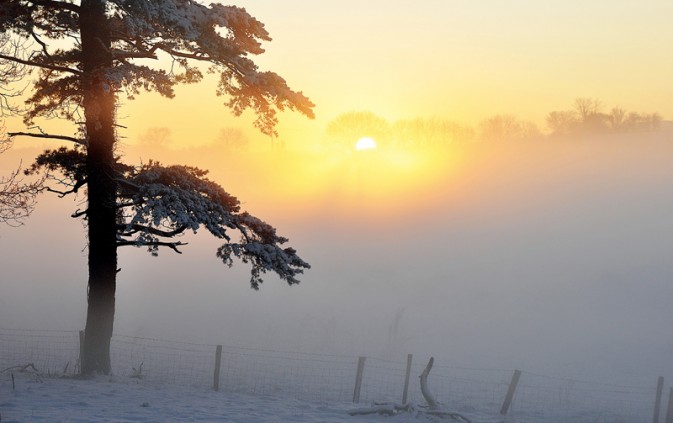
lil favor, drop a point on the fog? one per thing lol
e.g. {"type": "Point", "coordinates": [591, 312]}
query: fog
{"type": "Point", "coordinates": [552, 256]}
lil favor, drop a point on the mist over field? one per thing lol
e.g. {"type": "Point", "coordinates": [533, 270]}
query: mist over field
{"type": "Point", "coordinates": [549, 255]}
{"type": "Point", "coordinates": [485, 187]}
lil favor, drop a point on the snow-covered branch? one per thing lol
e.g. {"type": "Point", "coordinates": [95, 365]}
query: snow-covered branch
{"type": "Point", "coordinates": [163, 202]}
{"type": "Point", "coordinates": [53, 4]}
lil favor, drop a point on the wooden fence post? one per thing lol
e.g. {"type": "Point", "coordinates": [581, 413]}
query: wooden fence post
{"type": "Point", "coordinates": [669, 409]}
{"type": "Point", "coordinates": [406, 379]}
{"type": "Point", "coordinates": [358, 379]}
{"type": "Point", "coordinates": [510, 392]}
{"type": "Point", "coordinates": [81, 350]}
{"type": "Point", "coordinates": [657, 400]}
{"type": "Point", "coordinates": [218, 362]}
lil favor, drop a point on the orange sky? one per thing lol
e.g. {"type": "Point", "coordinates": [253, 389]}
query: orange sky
{"type": "Point", "coordinates": [452, 60]}
{"type": "Point", "coordinates": [462, 61]}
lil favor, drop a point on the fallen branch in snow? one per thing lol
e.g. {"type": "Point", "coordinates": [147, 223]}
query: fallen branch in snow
{"type": "Point", "coordinates": [455, 416]}
{"type": "Point", "coordinates": [386, 409]}
{"type": "Point", "coordinates": [392, 409]}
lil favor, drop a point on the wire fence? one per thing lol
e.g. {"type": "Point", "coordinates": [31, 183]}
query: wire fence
{"type": "Point", "coordinates": [330, 378]}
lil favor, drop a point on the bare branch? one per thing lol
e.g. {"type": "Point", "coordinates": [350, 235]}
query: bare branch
{"type": "Point", "coordinates": [61, 194]}
{"type": "Point", "coordinates": [17, 200]}
{"type": "Point", "coordinates": [79, 213]}
{"type": "Point", "coordinates": [40, 65]}
{"type": "Point", "coordinates": [172, 245]}
{"type": "Point", "coordinates": [193, 56]}
{"type": "Point", "coordinates": [41, 43]}
{"type": "Point", "coordinates": [132, 229]}
{"type": "Point", "coordinates": [48, 136]}
{"type": "Point", "coordinates": [121, 55]}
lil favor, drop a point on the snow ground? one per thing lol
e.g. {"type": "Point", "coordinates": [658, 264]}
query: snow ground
{"type": "Point", "coordinates": [113, 399]}
{"type": "Point", "coordinates": [34, 398]}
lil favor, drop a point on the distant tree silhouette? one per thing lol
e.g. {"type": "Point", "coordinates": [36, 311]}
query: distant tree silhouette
{"type": "Point", "coordinates": [349, 127]}
{"type": "Point", "coordinates": [642, 122]}
{"type": "Point", "coordinates": [587, 108]}
{"type": "Point", "coordinates": [232, 139]}
{"type": "Point", "coordinates": [591, 118]}
{"type": "Point", "coordinates": [507, 128]}
{"type": "Point", "coordinates": [429, 132]}
{"type": "Point", "coordinates": [562, 122]}
{"type": "Point", "coordinates": [158, 137]}
{"type": "Point", "coordinates": [617, 118]}
{"type": "Point", "coordinates": [88, 53]}
{"type": "Point", "coordinates": [587, 118]}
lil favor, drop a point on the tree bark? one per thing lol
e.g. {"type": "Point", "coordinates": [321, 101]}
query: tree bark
{"type": "Point", "coordinates": [99, 108]}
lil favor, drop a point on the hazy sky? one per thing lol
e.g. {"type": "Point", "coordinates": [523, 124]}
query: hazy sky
{"type": "Point", "coordinates": [548, 255]}
{"type": "Point", "coordinates": [468, 60]}
{"type": "Point", "coordinates": [457, 60]}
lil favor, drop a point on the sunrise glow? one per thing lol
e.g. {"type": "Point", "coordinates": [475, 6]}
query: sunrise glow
{"type": "Point", "coordinates": [365, 143]}
{"type": "Point", "coordinates": [485, 184]}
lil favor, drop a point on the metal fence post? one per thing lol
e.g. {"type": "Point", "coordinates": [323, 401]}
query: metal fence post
{"type": "Point", "coordinates": [216, 373]}
{"type": "Point", "coordinates": [406, 379]}
{"type": "Point", "coordinates": [510, 392]}
{"type": "Point", "coordinates": [358, 379]}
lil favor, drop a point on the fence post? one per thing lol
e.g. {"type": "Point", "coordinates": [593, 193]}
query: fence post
{"type": "Point", "coordinates": [358, 379]}
{"type": "Point", "coordinates": [657, 400]}
{"type": "Point", "coordinates": [669, 409]}
{"type": "Point", "coordinates": [406, 379]}
{"type": "Point", "coordinates": [216, 373]}
{"type": "Point", "coordinates": [81, 350]}
{"type": "Point", "coordinates": [510, 392]}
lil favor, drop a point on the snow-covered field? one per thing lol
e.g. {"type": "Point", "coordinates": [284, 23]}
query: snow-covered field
{"type": "Point", "coordinates": [38, 398]}
{"type": "Point", "coordinates": [112, 399]}
{"type": "Point", "coordinates": [164, 381]}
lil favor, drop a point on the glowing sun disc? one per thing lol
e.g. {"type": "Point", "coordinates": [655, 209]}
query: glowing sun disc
{"type": "Point", "coordinates": [365, 143]}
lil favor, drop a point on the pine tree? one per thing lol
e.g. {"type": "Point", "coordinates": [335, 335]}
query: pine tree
{"type": "Point", "coordinates": [89, 53]}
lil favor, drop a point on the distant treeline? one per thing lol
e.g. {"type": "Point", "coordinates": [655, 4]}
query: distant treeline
{"type": "Point", "coordinates": [586, 117]}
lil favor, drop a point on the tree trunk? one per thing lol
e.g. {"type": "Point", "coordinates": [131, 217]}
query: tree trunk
{"type": "Point", "coordinates": [99, 108]}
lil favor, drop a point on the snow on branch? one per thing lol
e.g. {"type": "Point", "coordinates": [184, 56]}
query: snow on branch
{"type": "Point", "coordinates": [157, 203]}
{"type": "Point", "coordinates": [223, 36]}
{"type": "Point", "coordinates": [70, 163]}
{"type": "Point", "coordinates": [163, 202]}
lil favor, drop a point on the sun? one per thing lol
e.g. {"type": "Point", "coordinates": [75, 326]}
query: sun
{"type": "Point", "coordinates": [365, 143]}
